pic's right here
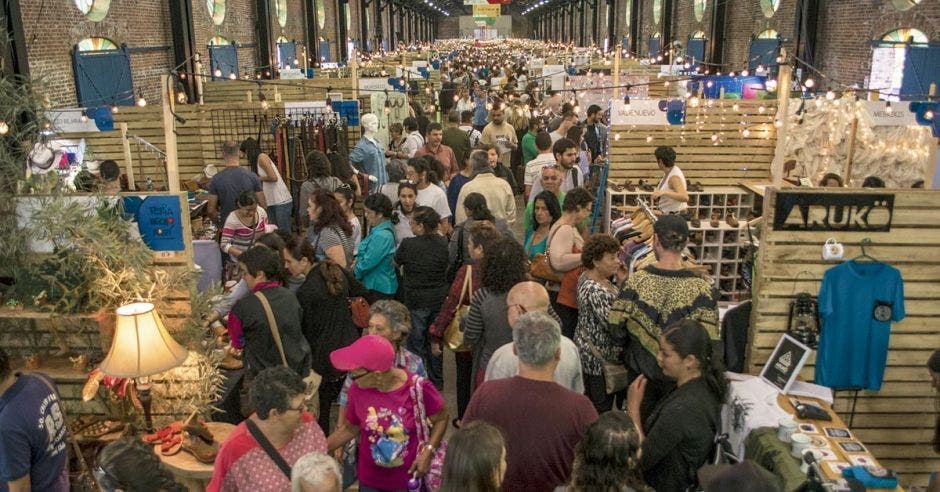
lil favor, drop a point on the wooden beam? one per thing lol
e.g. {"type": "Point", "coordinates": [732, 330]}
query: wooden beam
{"type": "Point", "coordinates": [128, 162]}
{"type": "Point", "coordinates": [783, 96]}
{"type": "Point", "coordinates": [169, 133]}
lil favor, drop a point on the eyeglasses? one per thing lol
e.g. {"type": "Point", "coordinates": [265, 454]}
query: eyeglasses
{"type": "Point", "coordinates": [360, 375]}
{"type": "Point", "coordinates": [522, 309]}
{"type": "Point", "coordinates": [300, 408]}
{"type": "Point", "coordinates": [345, 186]}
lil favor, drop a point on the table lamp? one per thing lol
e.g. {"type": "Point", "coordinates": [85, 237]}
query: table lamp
{"type": "Point", "coordinates": [141, 348]}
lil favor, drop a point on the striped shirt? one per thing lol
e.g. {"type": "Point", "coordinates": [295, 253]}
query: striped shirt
{"type": "Point", "coordinates": [236, 233]}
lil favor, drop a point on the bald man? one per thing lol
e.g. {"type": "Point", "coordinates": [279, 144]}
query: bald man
{"type": "Point", "coordinates": [529, 297]}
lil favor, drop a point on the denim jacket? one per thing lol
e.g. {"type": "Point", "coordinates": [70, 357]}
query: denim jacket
{"type": "Point", "coordinates": [374, 263]}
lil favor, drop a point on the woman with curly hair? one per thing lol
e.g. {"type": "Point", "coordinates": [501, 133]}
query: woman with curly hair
{"type": "Point", "coordinates": [330, 232]}
{"type": "Point", "coordinates": [486, 327]}
{"type": "Point", "coordinates": [129, 464]}
{"type": "Point", "coordinates": [606, 459]}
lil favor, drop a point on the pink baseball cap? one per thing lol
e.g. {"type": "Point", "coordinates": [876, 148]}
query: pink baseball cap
{"type": "Point", "coordinates": [370, 352]}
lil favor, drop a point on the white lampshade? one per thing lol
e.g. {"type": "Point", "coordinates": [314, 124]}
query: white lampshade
{"type": "Point", "coordinates": [141, 346]}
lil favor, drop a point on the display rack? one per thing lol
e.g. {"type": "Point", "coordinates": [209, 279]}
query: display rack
{"type": "Point", "coordinates": [721, 249]}
{"type": "Point", "coordinates": [701, 203]}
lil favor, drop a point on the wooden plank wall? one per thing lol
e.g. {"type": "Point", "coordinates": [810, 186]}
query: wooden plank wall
{"type": "Point", "coordinates": [736, 158]}
{"type": "Point", "coordinates": [896, 423]}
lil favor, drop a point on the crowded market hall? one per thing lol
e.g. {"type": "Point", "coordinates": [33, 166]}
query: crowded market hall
{"type": "Point", "coordinates": [470, 245]}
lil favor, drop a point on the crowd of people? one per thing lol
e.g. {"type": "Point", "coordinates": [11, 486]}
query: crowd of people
{"type": "Point", "coordinates": [439, 242]}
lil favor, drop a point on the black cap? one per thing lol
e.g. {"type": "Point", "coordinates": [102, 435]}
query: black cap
{"type": "Point", "coordinates": [671, 225]}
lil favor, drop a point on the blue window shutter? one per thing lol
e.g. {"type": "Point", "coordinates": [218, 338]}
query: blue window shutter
{"type": "Point", "coordinates": [287, 52]}
{"type": "Point", "coordinates": [654, 47]}
{"type": "Point", "coordinates": [921, 68]}
{"type": "Point", "coordinates": [763, 52]}
{"type": "Point", "coordinates": [103, 77]}
{"type": "Point", "coordinates": [225, 58]}
{"type": "Point", "coordinates": [696, 50]}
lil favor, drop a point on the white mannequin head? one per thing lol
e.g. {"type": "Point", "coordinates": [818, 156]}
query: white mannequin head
{"type": "Point", "coordinates": [370, 124]}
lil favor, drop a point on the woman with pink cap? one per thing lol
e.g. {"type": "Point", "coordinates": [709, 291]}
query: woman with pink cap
{"type": "Point", "coordinates": [383, 409]}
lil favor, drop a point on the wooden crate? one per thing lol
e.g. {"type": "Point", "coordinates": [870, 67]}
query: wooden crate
{"type": "Point", "coordinates": [896, 423]}
{"type": "Point", "coordinates": [736, 158]}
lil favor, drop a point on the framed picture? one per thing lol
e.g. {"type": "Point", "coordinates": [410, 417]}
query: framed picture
{"type": "Point", "coordinates": [784, 364]}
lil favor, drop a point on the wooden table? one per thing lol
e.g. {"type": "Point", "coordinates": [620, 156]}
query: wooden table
{"type": "Point", "coordinates": [186, 469]}
{"type": "Point", "coordinates": [820, 425]}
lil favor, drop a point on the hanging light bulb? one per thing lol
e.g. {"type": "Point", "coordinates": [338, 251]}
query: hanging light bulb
{"type": "Point", "coordinates": [217, 73]}
{"type": "Point", "coordinates": [929, 115]}
{"type": "Point", "coordinates": [771, 85]}
{"type": "Point", "coordinates": [830, 95]}
{"type": "Point", "coordinates": [888, 108]}
{"type": "Point", "coordinates": [83, 118]}
{"type": "Point", "coordinates": [694, 102]}
{"type": "Point", "coordinates": [232, 76]}
{"type": "Point", "coordinates": [626, 101]}
{"type": "Point", "coordinates": [649, 138]}
{"type": "Point", "coordinates": [617, 136]}
{"type": "Point", "coordinates": [819, 102]}
{"type": "Point", "coordinates": [735, 107]}
{"type": "Point", "coordinates": [810, 83]}
{"type": "Point", "coordinates": [761, 109]}
{"type": "Point", "coordinates": [141, 102]}
{"type": "Point", "coordinates": [746, 133]}
{"type": "Point", "coordinates": [114, 108]}
{"type": "Point", "coordinates": [4, 128]}
{"type": "Point", "coordinates": [760, 69]}
{"type": "Point", "coordinates": [714, 137]}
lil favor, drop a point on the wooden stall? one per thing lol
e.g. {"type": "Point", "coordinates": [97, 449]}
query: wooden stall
{"type": "Point", "coordinates": [897, 421]}
{"type": "Point", "coordinates": [713, 147]}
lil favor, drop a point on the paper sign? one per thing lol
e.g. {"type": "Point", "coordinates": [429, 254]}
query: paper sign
{"type": "Point", "coordinates": [557, 74]}
{"type": "Point", "coordinates": [899, 115]}
{"type": "Point", "coordinates": [475, 2]}
{"type": "Point", "coordinates": [70, 121]}
{"type": "Point", "coordinates": [374, 84]}
{"type": "Point", "coordinates": [638, 112]}
{"type": "Point", "coordinates": [292, 74]}
{"type": "Point", "coordinates": [487, 10]}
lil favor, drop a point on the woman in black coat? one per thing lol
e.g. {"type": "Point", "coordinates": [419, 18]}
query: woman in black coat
{"type": "Point", "coordinates": [326, 320]}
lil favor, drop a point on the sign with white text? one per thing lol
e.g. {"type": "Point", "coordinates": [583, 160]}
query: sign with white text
{"type": "Point", "coordinates": [638, 112]}
{"type": "Point", "coordinates": [897, 114]}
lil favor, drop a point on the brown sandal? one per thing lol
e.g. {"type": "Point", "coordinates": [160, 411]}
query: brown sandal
{"type": "Point", "coordinates": [204, 453]}
{"type": "Point", "coordinates": [198, 428]}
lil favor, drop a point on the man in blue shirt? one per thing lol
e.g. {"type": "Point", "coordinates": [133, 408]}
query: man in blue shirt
{"type": "Point", "coordinates": [33, 453]}
{"type": "Point", "coordinates": [480, 113]}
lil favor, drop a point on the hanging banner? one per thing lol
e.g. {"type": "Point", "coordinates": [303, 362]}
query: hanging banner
{"type": "Point", "coordinates": [898, 114]}
{"type": "Point", "coordinates": [638, 112]}
{"type": "Point", "coordinates": [487, 10]}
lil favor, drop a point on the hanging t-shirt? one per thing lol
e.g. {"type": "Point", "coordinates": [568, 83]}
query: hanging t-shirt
{"type": "Point", "coordinates": [857, 303]}
{"type": "Point", "coordinates": [388, 439]}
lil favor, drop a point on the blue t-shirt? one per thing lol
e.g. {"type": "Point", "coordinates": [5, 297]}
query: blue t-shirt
{"type": "Point", "coordinates": [228, 184]}
{"type": "Point", "coordinates": [857, 303]}
{"type": "Point", "coordinates": [32, 436]}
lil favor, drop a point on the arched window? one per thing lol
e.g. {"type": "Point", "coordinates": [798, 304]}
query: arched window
{"type": "Point", "coordinates": [657, 11]}
{"type": "Point", "coordinates": [769, 7]}
{"type": "Point", "coordinates": [96, 44]}
{"type": "Point", "coordinates": [698, 6]}
{"type": "Point", "coordinates": [280, 8]}
{"type": "Point", "coordinates": [93, 10]}
{"type": "Point", "coordinates": [216, 11]}
{"type": "Point", "coordinates": [768, 34]}
{"type": "Point", "coordinates": [903, 36]}
{"type": "Point", "coordinates": [905, 4]}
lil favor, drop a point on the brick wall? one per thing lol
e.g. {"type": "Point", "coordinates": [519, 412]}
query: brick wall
{"type": "Point", "coordinates": [745, 19]}
{"type": "Point", "coordinates": [52, 30]}
{"type": "Point", "coordinates": [846, 28]}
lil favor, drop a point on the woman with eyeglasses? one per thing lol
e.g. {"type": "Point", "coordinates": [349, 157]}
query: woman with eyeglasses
{"type": "Point", "coordinates": [386, 413]}
{"type": "Point", "coordinates": [405, 209]}
{"type": "Point", "coordinates": [346, 197]}
{"type": "Point", "coordinates": [325, 319]}
{"type": "Point", "coordinates": [330, 232]}
{"type": "Point", "coordinates": [390, 320]}
{"type": "Point", "coordinates": [545, 212]}
{"type": "Point", "coordinates": [377, 251]}
{"type": "Point", "coordinates": [423, 262]}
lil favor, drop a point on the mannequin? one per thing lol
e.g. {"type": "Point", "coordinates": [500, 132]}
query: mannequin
{"type": "Point", "coordinates": [369, 154]}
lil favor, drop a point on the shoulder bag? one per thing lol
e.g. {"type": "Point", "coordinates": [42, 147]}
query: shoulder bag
{"type": "Point", "coordinates": [312, 379]}
{"type": "Point", "coordinates": [541, 266]}
{"type": "Point", "coordinates": [453, 335]}
{"type": "Point", "coordinates": [616, 377]}
{"type": "Point", "coordinates": [431, 481]}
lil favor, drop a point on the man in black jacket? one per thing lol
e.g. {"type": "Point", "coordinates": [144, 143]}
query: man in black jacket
{"type": "Point", "coordinates": [248, 324]}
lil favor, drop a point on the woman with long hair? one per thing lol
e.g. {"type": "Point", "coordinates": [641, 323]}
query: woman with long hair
{"type": "Point", "coordinates": [241, 229]}
{"type": "Point", "coordinates": [424, 173]}
{"type": "Point", "coordinates": [545, 212]}
{"type": "Point", "coordinates": [679, 434]}
{"type": "Point", "coordinates": [326, 320]}
{"type": "Point", "coordinates": [276, 194]}
{"type": "Point", "coordinates": [319, 177]}
{"type": "Point", "coordinates": [476, 459]}
{"type": "Point", "coordinates": [606, 458]}
{"type": "Point", "coordinates": [330, 232]}
{"type": "Point", "coordinates": [405, 209]}
{"type": "Point", "coordinates": [474, 205]}
{"type": "Point", "coordinates": [479, 237]}
{"type": "Point", "coordinates": [374, 263]}
{"type": "Point", "coordinates": [423, 263]}
{"type": "Point", "coordinates": [486, 327]}
{"type": "Point", "coordinates": [564, 251]}
{"type": "Point", "coordinates": [346, 197]}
